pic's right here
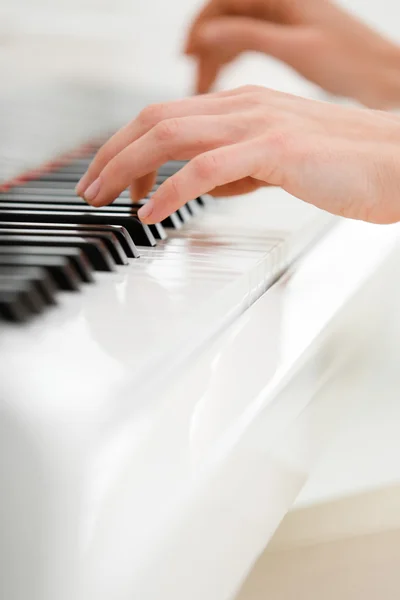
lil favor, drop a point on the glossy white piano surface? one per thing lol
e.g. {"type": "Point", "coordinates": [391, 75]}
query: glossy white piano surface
{"type": "Point", "coordinates": [156, 428]}
{"type": "Point", "coordinates": [341, 539]}
{"type": "Point", "coordinates": [139, 462]}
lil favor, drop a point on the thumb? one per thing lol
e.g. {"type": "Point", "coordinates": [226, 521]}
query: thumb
{"type": "Point", "coordinates": [240, 34]}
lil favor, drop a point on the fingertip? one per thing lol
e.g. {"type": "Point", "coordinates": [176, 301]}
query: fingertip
{"type": "Point", "coordinates": [82, 185]}
{"type": "Point", "coordinates": [146, 211]}
{"type": "Point", "coordinates": [92, 191]}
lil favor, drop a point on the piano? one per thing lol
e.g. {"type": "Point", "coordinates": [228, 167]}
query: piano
{"type": "Point", "coordinates": [161, 400]}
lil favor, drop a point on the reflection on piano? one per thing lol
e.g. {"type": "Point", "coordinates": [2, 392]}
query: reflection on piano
{"type": "Point", "coordinates": [158, 385]}
{"type": "Point", "coordinates": [164, 422]}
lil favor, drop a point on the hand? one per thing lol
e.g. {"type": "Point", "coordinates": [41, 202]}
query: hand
{"type": "Point", "coordinates": [343, 160]}
{"type": "Point", "coordinates": [315, 37]}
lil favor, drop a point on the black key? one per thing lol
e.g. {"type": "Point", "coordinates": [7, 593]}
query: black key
{"type": "Point", "coordinates": [192, 207]}
{"type": "Point", "coordinates": [184, 214]}
{"type": "Point", "coordinates": [13, 306]}
{"type": "Point", "coordinates": [108, 239]}
{"type": "Point", "coordinates": [161, 178]}
{"type": "Point", "coordinates": [56, 176]}
{"type": "Point", "coordinates": [67, 200]}
{"type": "Point", "coordinates": [206, 200]}
{"type": "Point", "coordinates": [131, 211]}
{"type": "Point", "coordinates": [37, 183]}
{"type": "Point", "coordinates": [31, 298]}
{"type": "Point", "coordinates": [63, 273]}
{"type": "Point", "coordinates": [94, 249]}
{"type": "Point", "coordinates": [140, 233]}
{"type": "Point", "coordinates": [171, 222]}
{"type": "Point", "coordinates": [41, 279]}
{"type": "Point", "coordinates": [40, 195]}
{"type": "Point", "coordinates": [171, 167]}
{"type": "Point", "coordinates": [158, 231]}
{"type": "Point", "coordinates": [70, 203]}
{"type": "Point", "coordinates": [120, 232]}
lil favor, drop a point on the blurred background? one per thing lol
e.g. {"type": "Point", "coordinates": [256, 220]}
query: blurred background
{"type": "Point", "coordinates": [71, 69]}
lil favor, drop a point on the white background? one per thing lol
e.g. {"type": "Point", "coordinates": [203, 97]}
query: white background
{"type": "Point", "coordinates": [138, 41]}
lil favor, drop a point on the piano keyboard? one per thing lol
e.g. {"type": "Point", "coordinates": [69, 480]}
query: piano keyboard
{"type": "Point", "coordinates": [158, 406]}
{"type": "Point", "coordinates": [52, 241]}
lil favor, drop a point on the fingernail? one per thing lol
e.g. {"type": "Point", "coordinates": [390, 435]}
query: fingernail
{"type": "Point", "coordinates": [92, 190]}
{"type": "Point", "coordinates": [146, 210]}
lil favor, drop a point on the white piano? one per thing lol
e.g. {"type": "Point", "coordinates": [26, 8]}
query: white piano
{"type": "Point", "coordinates": [157, 425]}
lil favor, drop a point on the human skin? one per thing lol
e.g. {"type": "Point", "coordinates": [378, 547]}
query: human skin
{"type": "Point", "coordinates": [343, 160]}
{"type": "Point", "coordinates": [317, 38]}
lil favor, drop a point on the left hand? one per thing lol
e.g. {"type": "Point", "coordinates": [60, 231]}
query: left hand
{"type": "Point", "coordinates": [343, 160]}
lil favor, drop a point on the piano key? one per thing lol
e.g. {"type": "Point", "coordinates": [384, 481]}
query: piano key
{"type": "Point", "coordinates": [130, 210]}
{"type": "Point", "coordinates": [120, 232]}
{"type": "Point", "coordinates": [171, 167]}
{"type": "Point", "coordinates": [192, 206]}
{"type": "Point", "coordinates": [13, 306]}
{"type": "Point", "coordinates": [206, 200]}
{"type": "Point", "coordinates": [76, 170]}
{"type": "Point", "coordinates": [184, 214]}
{"type": "Point", "coordinates": [202, 201]}
{"type": "Point", "coordinates": [140, 233]}
{"type": "Point", "coordinates": [37, 183]}
{"type": "Point", "coordinates": [57, 176]}
{"type": "Point", "coordinates": [67, 201]}
{"type": "Point", "coordinates": [59, 196]}
{"type": "Point", "coordinates": [28, 291]}
{"type": "Point", "coordinates": [171, 222]}
{"type": "Point", "coordinates": [64, 273]}
{"type": "Point", "coordinates": [41, 194]}
{"type": "Point", "coordinates": [94, 249]}
{"type": "Point", "coordinates": [41, 279]}
{"type": "Point", "coordinates": [158, 231]}
{"type": "Point", "coordinates": [109, 239]}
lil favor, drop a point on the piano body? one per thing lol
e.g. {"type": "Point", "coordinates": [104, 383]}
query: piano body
{"type": "Point", "coordinates": [159, 420]}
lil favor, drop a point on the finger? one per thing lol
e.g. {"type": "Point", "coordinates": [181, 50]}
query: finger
{"type": "Point", "coordinates": [241, 34]}
{"type": "Point", "coordinates": [179, 139]}
{"type": "Point", "coordinates": [206, 172]}
{"type": "Point", "coordinates": [142, 186]}
{"type": "Point", "coordinates": [211, 9]}
{"type": "Point", "coordinates": [236, 188]}
{"type": "Point", "coordinates": [208, 68]}
{"type": "Point", "coordinates": [148, 118]}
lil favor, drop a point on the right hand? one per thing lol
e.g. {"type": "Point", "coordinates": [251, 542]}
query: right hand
{"type": "Point", "coordinates": [343, 160]}
{"type": "Point", "coordinates": [318, 39]}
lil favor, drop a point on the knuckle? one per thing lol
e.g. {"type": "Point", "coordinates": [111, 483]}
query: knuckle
{"type": "Point", "coordinates": [263, 119]}
{"type": "Point", "coordinates": [206, 166]}
{"type": "Point", "coordinates": [278, 139]}
{"type": "Point", "coordinates": [167, 131]}
{"type": "Point", "coordinates": [251, 89]}
{"type": "Point", "coordinates": [151, 115]}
